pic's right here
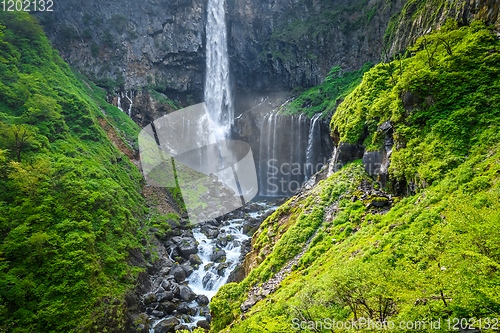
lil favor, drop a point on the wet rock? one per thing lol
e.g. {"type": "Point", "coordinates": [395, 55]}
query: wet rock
{"type": "Point", "coordinates": [175, 289]}
{"type": "Point", "coordinates": [202, 300]}
{"type": "Point", "coordinates": [187, 269]}
{"type": "Point", "coordinates": [208, 266]}
{"type": "Point", "coordinates": [237, 275]}
{"type": "Point", "coordinates": [209, 318]}
{"type": "Point", "coordinates": [205, 311]}
{"type": "Point", "coordinates": [210, 231]}
{"type": "Point", "coordinates": [149, 298]}
{"type": "Point", "coordinates": [186, 293]}
{"type": "Point", "coordinates": [165, 296]}
{"type": "Point", "coordinates": [221, 268]}
{"type": "Point", "coordinates": [167, 325]}
{"type": "Point", "coordinates": [188, 246]}
{"type": "Point", "coordinates": [157, 314]}
{"type": "Point", "coordinates": [139, 322]}
{"type": "Point", "coordinates": [167, 307]}
{"type": "Point", "coordinates": [194, 259]}
{"type": "Point", "coordinates": [222, 241]}
{"type": "Point", "coordinates": [165, 284]}
{"type": "Point", "coordinates": [185, 309]}
{"type": "Point", "coordinates": [203, 324]}
{"type": "Point", "coordinates": [218, 255]}
{"type": "Point", "coordinates": [208, 281]}
{"type": "Point", "coordinates": [250, 226]}
{"type": "Point", "coordinates": [178, 272]}
{"type": "Point", "coordinates": [181, 327]}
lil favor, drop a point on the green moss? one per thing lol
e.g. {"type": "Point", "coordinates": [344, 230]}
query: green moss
{"type": "Point", "coordinates": [70, 204]}
{"type": "Point", "coordinates": [325, 97]}
{"type": "Point", "coordinates": [445, 111]}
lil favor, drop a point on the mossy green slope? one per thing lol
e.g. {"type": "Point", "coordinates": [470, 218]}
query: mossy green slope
{"type": "Point", "coordinates": [325, 97]}
{"type": "Point", "coordinates": [69, 200]}
{"type": "Point", "coordinates": [432, 256]}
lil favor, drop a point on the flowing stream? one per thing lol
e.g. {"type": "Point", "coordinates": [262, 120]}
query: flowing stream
{"type": "Point", "coordinates": [212, 272]}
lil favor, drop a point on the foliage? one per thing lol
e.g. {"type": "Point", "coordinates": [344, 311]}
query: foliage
{"type": "Point", "coordinates": [439, 100]}
{"type": "Point", "coordinates": [69, 201]}
{"type": "Point", "coordinates": [433, 256]}
{"type": "Point", "coordinates": [325, 97]}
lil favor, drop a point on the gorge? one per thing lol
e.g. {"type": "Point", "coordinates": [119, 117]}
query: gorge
{"type": "Point", "coordinates": [371, 127]}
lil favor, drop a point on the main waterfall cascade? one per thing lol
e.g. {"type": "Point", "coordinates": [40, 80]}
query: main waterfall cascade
{"type": "Point", "coordinates": [218, 97]}
{"type": "Point", "coordinates": [291, 151]}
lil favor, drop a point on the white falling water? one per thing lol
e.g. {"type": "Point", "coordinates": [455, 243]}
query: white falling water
{"type": "Point", "coordinates": [130, 105]}
{"type": "Point", "coordinates": [218, 97]}
{"type": "Point", "coordinates": [208, 281]}
{"type": "Point", "coordinates": [313, 133]}
{"type": "Point", "coordinates": [119, 103]}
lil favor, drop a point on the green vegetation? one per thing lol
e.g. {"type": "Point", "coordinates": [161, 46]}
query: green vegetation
{"type": "Point", "coordinates": [325, 97]}
{"type": "Point", "coordinates": [432, 256]}
{"type": "Point", "coordinates": [70, 201]}
{"type": "Point", "coordinates": [441, 101]}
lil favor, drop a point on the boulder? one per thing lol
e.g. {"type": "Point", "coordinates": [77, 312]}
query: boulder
{"type": "Point", "coordinates": [185, 309]}
{"type": "Point", "coordinates": [181, 327]}
{"type": "Point", "coordinates": [186, 294]}
{"type": "Point", "coordinates": [205, 311]}
{"type": "Point", "coordinates": [188, 246]}
{"type": "Point", "coordinates": [149, 298]}
{"type": "Point", "coordinates": [157, 314]}
{"type": "Point", "coordinates": [221, 268]}
{"type": "Point", "coordinates": [165, 296]}
{"type": "Point", "coordinates": [202, 300]}
{"type": "Point", "coordinates": [187, 269]}
{"type": "Point", "coordinates": [237, 275]}
{"type": "Point", "coordinates": [178, 272]}
{"type": "Point", "coordinates": [218, 255]}
{"type": "Point", "coordinates": [210, 231]}
{"type": "Point", "coordinates": [165, 284]}
{"type": "Point", "coordinates": [194, 259]}
{"type": "Point", "coordinates": [167, 325]}
{"type": "Point", "coordinates": [246, 305]}
{"type": "Point", "coordinates": [208, 281]}
{"type": "Point", "coordinates": [203, 324]}
{"type": "Point", "coordinates": [168, 307]}
{"type": "Point", "coordinates": [175, 289]}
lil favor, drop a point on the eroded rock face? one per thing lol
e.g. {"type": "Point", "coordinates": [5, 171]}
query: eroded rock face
{"type": "Point", "coordinates": [162, 42]}
{"type": "Point", "coordinates": [160, 39]}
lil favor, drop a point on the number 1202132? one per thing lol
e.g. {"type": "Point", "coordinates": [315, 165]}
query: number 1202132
{"type": "Point", "coordinates": [27, 5]}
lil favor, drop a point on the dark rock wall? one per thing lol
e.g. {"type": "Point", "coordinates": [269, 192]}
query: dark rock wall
{"type": "Point", "coordinates": [419, 17]}
{"type": "Point", "coordinates": [273, 44]}
{"type": "Point", "coordinates": [159, 39]}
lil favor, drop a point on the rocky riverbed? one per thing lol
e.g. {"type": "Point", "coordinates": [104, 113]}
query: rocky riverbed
{"type": "Point", "coordinates": [190, 264]}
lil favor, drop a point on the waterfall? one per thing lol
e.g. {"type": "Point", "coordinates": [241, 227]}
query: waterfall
{"type": "Point", "coordinates": [313, 137]}
{"type": "Point", "coordinates": [218, 98]}
{"type": "Point", "coordinates": [119, 103]}
{"type": "Point", "coordinates": [263, 146]}
{"type": "Point", "coordinates": [130, 105]}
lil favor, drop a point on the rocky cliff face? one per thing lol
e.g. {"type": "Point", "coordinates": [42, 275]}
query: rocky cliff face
{"type": "Point", "coordinates": [273, 44]}
{"type": "Point", "coordinates": [156, 42]}
{"type": "Point", "coordinates": [419, 17]}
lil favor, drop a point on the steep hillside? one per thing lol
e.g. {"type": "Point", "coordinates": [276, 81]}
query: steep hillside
{"type": "Point", "coordinates": [346, 249]}
{"type": "Point", "coordinates": [70, 201]}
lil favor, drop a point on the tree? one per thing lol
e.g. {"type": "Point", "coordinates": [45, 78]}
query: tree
{"type": "Point", "coordinates": [17, 138]}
